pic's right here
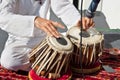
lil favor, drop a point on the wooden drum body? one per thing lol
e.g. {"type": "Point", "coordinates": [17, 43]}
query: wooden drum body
{"type": "Point", "coordinates": [88, 57]}
{"type": "Point", "coordinates": [50, 59]}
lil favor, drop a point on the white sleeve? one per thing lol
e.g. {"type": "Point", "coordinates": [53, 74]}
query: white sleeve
{"type": "Point", "coordinates": [20, 25]}
{"type": "Point", "coordinates": [66, 11]}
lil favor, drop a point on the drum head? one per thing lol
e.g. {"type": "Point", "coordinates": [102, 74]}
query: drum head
{"type": "Point", "coordinates": [74, 34]}
{"type": "Point", "coordinates": [61, 44]}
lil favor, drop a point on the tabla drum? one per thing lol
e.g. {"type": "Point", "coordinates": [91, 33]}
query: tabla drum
{"type": "Point", "coordinates": [50, 59]}
{"type": "Point", "coordinates": [88, 55]}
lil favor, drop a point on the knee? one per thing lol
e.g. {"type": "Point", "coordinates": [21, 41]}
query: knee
{"type": "Point", "coordinates": [13, 60]}
{"type": "Point", "coordinates": [10, 65]}
{"type": "Point", "coordinates": [15, 65]}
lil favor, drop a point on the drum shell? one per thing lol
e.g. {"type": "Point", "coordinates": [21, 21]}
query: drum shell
{"type": "Point", "coordinates": [47, 58]}
{"type": "Point", "coordinates": [88, 51]}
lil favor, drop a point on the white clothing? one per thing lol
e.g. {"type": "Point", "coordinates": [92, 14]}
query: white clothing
{"type": "Point", "coordinates": [17, 18]}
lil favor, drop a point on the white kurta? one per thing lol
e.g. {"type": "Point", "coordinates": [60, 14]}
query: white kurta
{"type": "Point", "coordinates": [17, 18]}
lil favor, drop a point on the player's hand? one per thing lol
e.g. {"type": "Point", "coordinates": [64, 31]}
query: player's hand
{"type": "Point", "coordinates": [48, 26]}
{"type": "Point", "coordinates": [86, 22]}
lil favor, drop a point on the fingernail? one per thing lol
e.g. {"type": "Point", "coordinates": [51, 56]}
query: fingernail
{"type": "Point", "coordinates": [63, 27]}
{"type": "Point", "coordinates": [58, 36]}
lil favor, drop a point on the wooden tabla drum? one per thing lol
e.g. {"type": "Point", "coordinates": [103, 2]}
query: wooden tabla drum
{"type": "Point", "coordinates": [92, 46]}
{"type": "Point", "coordinates": [50, 59]}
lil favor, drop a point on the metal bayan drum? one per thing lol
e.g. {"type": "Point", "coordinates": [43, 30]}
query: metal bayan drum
{"type": "Point", "coordinates": [50, 59]}
{"type": "Point", "coordinates": [92, 46]}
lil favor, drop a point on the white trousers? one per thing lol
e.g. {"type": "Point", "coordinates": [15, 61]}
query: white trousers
{"type": "Point", "coordinates": [15, 59]}
{"type": "Point", "coordinates": [16, 52]}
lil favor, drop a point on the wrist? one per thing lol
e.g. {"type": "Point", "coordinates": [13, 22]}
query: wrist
{"type": "Point", "coordinates": [36, 21]}
{"type": "Point", "coordinates": [89, 14]}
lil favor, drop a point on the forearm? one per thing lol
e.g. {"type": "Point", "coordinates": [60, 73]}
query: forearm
{"type": "Point", "coordinates": [92, 8]}
{"type": "Point", "coordinates": [66, 11]}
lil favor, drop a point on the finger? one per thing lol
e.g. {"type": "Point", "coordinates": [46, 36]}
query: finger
{"type": "Point", "coordinates": [47, 28]}
{"type": "Point", "coordinates": [47, 31]}
{"type": "Point", "coordinates": [87, 23]}
{"type": "Point", "coordinates": [84, 24]}
{"type": "Point", "coordinates": [78, 24]}
{"type": "Point", "coordinates": [56, 24]}
{"type": "Point", "coordinates": [53, 31]}
{"type": "Point", "coordinates": [81, 24]}
{"type": "Point", "coordinates": [92, 24]}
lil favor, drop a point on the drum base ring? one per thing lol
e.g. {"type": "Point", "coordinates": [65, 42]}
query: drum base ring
{"type": "Point", "coordinates": [95, 68]}
{"type": "Point", "coordinates": [33, 76]}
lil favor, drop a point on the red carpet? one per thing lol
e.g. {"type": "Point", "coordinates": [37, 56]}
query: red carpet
{"type": "Point", "coordinates": [106, 58]}
{"type": "Point", "coordinates": [9, 75]}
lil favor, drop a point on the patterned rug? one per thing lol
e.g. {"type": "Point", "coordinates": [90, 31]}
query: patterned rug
{"type": "Point", "coordinates": [112, 60]}
{"type": "Point", "coordinates": [10, 75]}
